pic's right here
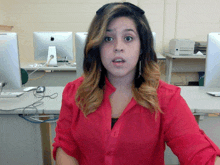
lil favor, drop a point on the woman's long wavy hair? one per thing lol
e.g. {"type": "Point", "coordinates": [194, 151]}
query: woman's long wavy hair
{"type": "Point", "coordinates": [89, 95]}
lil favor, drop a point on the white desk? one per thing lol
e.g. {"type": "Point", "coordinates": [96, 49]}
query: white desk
{"type": "Point", "coordinates": [160, 56]}
{"type": "Point", "coordinates": [16, 105]}
{"type": "Point", "coordinates": [195, 63]}
{"type": "Point", "coordinates": [50, 76]}
{"type": "Point", "coordinates": [196, 97]}
{"type": "Point", "coordinates": [61, 67]}
{"type": "Point", "coordinates": [199, 101]}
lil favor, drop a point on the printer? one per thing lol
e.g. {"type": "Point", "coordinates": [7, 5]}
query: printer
{"type": "Point", "coordinates": [180, 47]}
{"type": "Point", "coordinates": [200, 46]}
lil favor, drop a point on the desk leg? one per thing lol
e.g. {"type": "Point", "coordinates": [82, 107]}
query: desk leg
{"type": "Point", "coordinates": [46, 143]}
{"type": "Point", "coordinates": [197, 118]}
{"type": "Point", "coordinates": [169, 65]}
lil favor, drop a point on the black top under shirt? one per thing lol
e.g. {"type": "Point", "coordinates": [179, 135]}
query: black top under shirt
{"type": "Point", "coordinates": [114, 121]}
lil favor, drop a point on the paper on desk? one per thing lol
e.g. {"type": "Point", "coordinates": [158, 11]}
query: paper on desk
{"type": "Point", "coordinates": [199, 53]}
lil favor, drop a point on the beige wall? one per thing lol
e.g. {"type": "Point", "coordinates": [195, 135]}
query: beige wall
{"type": "Point", "coordinates": [28, 16]}
{"type": "Point", "coordinates": [190, 19]}
{"type": "Point", "coordinates": [2, 15]}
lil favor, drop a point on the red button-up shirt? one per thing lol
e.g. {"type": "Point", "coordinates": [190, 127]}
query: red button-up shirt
{"type": "Point", "coordinates": [137, 138]}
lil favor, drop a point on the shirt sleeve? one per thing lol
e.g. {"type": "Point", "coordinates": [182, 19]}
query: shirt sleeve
{"type": "Point", "coordinates": [63, 138]}
{"type": "Point", "coordinates": [183, 135]}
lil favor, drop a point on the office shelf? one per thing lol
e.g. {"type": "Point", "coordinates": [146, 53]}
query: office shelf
{"type": "Point", "coordinates": [6, 27]}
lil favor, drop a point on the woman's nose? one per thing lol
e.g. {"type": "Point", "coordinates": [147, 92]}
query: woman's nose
{"type": "Point", "coordinates": [119, 45]}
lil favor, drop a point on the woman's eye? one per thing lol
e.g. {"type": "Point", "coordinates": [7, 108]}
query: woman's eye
{"type": "Point", "coordinates": [128, 38]}
{"type": "Point", "coordinates": [108, 39]}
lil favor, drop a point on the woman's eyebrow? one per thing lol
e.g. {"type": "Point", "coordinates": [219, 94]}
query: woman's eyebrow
{"type": "Point", "coordinates": [131, 30]}
{"type": "Point", "coordinates": [111, 30]}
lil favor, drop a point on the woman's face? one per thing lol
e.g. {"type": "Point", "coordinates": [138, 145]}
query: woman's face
{"type": "Point", "coordinates": [120, 49]}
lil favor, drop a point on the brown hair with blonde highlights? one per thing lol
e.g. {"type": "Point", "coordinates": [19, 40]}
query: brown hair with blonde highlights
{"type": "Point", "coordinates": [89, 95]}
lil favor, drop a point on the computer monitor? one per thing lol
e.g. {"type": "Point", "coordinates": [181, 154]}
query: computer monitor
{"type": "Point", "coordinates": [53, 47]}
{"type": "Point", "coordinates": [80, 41]}
{"type": "Point", "coordinates": [212, 68]}
{"type": "Point", "coordinates": [10, 72]}
{"type": "Point", "coordinates": [154, 40]}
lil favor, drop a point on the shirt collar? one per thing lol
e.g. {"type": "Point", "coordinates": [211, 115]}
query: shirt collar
{"type": "Point", "coordinates": [109, 89]}
{"type": "Point", "coordinates": [109, 85]}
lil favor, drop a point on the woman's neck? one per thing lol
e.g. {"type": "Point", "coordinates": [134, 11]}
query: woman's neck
{"type": "Point", "coordinates": [123, 83]}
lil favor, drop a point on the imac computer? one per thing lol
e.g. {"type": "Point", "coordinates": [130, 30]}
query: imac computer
{"type": "Point", "coordinates": [80, 41]}
{"type": "Point", "coordinates": [154, 40]}
{"type": "Point", "coordinates": [53, 47]}
{"type": "Point", "coordinates": [212, 68]}
{"type": "Point", "coordinates": [10, 72]}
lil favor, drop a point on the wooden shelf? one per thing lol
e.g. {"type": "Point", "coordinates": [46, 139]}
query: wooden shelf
{"type": "Point", "coordinates": [6, 28]}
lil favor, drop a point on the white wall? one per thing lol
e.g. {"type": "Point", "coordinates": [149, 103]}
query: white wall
{"type": "Point", "coordinates": [1, 16]}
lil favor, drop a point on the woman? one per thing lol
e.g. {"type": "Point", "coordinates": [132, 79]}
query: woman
{"type": "Point", "coordinates": [120, 112]}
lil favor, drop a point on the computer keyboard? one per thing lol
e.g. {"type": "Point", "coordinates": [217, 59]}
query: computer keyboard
{"type": "Point", "coordinates": [217, 94]}
{"type": "Point", "coordinates": [10, 94]}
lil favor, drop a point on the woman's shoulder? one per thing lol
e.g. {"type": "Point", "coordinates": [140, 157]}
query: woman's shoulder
{"type": "Point", "coordinates": [77, 82]}
{"type": "Point", "coordinates": [167, 91]}
{"type": "Point", "coordinates": [72, 86]}
{"type": "Point", "coordinates": [165, 86]}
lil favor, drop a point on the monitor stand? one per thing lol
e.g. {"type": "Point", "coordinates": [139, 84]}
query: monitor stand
{"type": "Point", "coordinates": [52, 56]}
{"type": "Point", "coordinates": [9, 93]}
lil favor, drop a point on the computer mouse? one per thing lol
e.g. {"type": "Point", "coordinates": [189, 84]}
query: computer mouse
{"type": "Point", "coordinates": [40, 89]}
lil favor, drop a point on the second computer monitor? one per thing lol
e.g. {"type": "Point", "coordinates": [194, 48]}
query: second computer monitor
{"type": "Point", "coordinates": [212, 69]}
{"type": "Point", "coordinates": [80, 41]}
{"type": "Point", "coordinates": [47, 43]}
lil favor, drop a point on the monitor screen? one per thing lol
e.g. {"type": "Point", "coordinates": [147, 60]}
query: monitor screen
{"type": "Point", "coordinates": [80, 41]}
{"type": "Point", "coordinates": [212, 68]}
{"type": "Point", "coordinates": [10, 72]}
{"type": "Point", "coordinates": [60, 43]}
